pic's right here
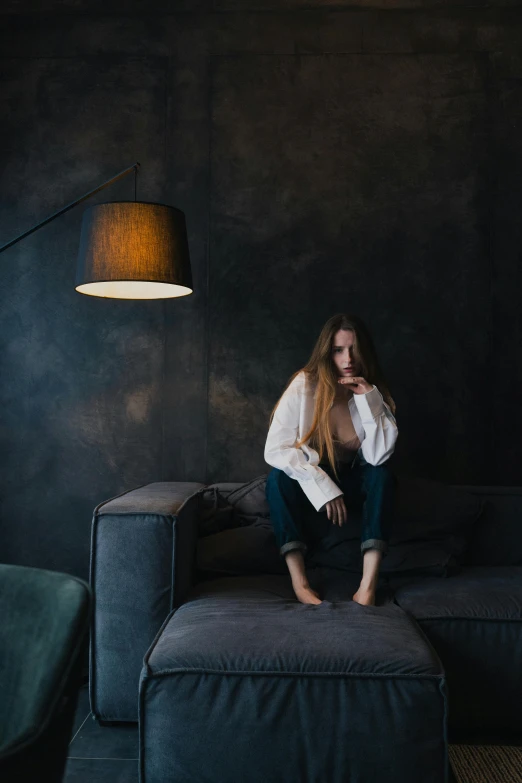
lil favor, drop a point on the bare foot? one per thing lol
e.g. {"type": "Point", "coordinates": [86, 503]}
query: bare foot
{"type": "Point", "coordinates": [306, 595]}
{"type": "Point", "coordinates": [365, 596]}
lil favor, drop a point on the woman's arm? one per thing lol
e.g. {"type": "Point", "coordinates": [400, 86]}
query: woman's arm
{"type": "Point", "coordinates": [280, 451]}
{"type": "Point", "coordinates": [379, 425]}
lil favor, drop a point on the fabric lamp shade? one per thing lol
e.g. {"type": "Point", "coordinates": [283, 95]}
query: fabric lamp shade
{"type": "Point", "coordinates": [133, 250]}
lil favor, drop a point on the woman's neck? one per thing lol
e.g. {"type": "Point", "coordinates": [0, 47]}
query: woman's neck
{"type": "Point", "coordinates": [343, 392]}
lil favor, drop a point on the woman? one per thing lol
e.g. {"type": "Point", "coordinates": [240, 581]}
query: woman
{"type": "Point", "coordinates": [331, 433]}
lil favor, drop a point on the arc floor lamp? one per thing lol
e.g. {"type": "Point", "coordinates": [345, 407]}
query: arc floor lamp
{"type": "Point", "coordinates": [129, 249]}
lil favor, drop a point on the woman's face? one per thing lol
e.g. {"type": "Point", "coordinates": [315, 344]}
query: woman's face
{"type": "Point", "coordinates": [342, 353]}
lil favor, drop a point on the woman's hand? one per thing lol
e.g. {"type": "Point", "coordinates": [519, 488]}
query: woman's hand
{"type": "Point", "coordinates": [357, 384]}
{"type": "Point", "coordinates": [337, 511]}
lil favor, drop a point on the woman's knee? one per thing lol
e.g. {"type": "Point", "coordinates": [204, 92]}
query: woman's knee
{"type": "Point", "coordinates": [273, 476]}
{"type": "Point", "coordinates": [281, 486]}
{"type": "Point", "coordinates": [278, 476]}
{"type": "Point", "coordinates": [277, 480]}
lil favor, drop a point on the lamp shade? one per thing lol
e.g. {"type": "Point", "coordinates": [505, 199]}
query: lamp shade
{"type": "Point", "coordinates": [133, 250]}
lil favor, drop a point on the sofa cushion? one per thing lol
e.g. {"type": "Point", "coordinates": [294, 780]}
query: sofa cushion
{"type": "Point", "coordinates": [253, 630]}
{"type": "Point", "coordinates": [253, 550]}
{"type": "Point", "coordinates": [432, 528]}
{"type": "Point", "coordinates": [497, 536]}
{"type": "Point", "coordinates": [243, 550]}
{"type": "Point", "coordinates": [227, 505]}
{"type": "Point", "coordinates": [433, 510]}
{"type": "Point", "coordinates": [331, 584]}
{"type": "Point", "coordinates": [360, 682]}
{"type": "Point", "coordinates": [425, 508]}
{"type": "Point", "coordinates": [411, 558]}
{"type": "Point", "coordinates": [474, 621]}
{"type": "Point", "coordinates": [475, 593]}
{"type": "Point", "coordinates": [215, 512]}
{"type": "Point", "coordinates": [250, 498]}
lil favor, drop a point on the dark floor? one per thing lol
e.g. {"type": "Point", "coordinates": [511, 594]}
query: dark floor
{"type": "Point", "coordinates": [105, 754]}
{"type": "Point", "coordinates": [101, 754]}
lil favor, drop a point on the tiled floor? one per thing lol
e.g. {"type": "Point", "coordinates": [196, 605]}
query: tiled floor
{"type": "Point", "coordinates": [104, 754]}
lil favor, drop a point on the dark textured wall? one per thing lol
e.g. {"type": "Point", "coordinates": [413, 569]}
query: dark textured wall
{"type": "Point", "coordinates": [328, 157]}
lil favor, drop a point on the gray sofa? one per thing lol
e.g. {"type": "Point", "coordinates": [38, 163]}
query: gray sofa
{"type": "Point", "coordinates": [196, 634]}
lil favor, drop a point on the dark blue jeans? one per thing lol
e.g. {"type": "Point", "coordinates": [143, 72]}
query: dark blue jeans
{"type": "Point", "coordinates": [297, 524]}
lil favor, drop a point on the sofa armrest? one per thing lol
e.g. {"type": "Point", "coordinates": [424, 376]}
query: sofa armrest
{"type": "Point", "coordinates": [143, 548]}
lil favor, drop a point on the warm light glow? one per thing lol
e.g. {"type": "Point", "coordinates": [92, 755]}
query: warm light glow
{"type": "Point", "coordinates": [133, 289]}
{"type": "Point", "coordinates": [133, 250]}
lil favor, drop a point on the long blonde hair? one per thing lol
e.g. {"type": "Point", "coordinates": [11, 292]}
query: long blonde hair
{"type": "Point", "coordinates": [320, 368]}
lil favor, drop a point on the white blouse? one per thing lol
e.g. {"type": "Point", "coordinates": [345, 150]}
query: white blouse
{"type": "Point", "coordinates": [373, 422]}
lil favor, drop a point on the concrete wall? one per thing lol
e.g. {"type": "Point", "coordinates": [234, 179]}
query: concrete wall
{"type": "Point", "coordinates": [360, 157]}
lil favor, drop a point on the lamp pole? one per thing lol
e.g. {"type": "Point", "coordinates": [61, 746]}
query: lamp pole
{"type": "Point", "coordinates": [134, 168]}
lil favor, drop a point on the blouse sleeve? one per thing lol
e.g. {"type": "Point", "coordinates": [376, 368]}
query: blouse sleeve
{"type": "Point", "coordinates": [281, 452]}
{"type": "Point", "coordinates": [380, 427]}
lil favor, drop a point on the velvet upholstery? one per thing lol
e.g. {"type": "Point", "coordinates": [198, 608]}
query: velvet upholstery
{"type": "Point", "coordinates": [222, 650]}
{"type": "Point", "coordinates": [497, 534]}
{"type": "Point", "coordinates": [142, 550]}
{"type": "Point", "coordinates": [268, 699]}
{"type": "Point", "coordinates": [43, 633]}
{"type": "Point", "coordinates": [476, 627]}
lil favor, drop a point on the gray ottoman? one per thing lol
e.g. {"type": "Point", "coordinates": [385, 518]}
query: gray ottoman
{"type": "Point", "coordinates": [249, 686]}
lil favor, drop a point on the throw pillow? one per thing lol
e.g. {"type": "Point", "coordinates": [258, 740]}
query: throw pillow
{"type": "Point", "coordinates": [429, 510]}
{"type": "Point", "coordinates": [432, 528]}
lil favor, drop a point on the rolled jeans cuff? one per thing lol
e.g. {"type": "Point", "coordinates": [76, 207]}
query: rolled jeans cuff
{"type": "Point", "coordinates": [290, 545]}
{"type": "Point", "coordinates": [375, 543]}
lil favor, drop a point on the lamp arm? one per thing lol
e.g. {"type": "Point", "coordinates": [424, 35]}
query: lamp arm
{"type": "Point", "coordinates": [70, 206]}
